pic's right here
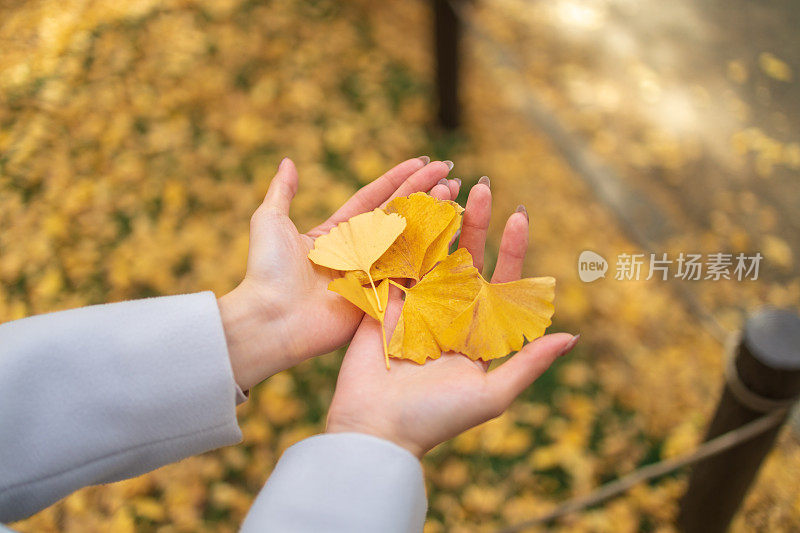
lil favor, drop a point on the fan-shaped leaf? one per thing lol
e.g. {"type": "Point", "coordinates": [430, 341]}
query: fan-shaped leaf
{"type": "Point", "coordinates": [501, 317]}
{"type": "Point", "coordinates": [431, 305]}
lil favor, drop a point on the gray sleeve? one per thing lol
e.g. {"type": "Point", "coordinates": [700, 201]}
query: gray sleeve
{"type": "Point", "coordinates": [108, 392]}
{"type": "Point", "coordinates": [342, 482]}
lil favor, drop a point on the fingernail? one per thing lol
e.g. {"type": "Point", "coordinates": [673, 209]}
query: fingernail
{"type": "Point", "coordinates": [521, 209]}
{"type": "Point", "coordinates": [457, 180]}
{"type": "Point", "coordinates": [442, 181]}
{"type": "Point", "coordinates": [282, 162]}
{"type": "Point", "coordinates": [570, 345]}
{"type": "Point", "coordinates": [425, 159]}
{"type": "Point", "coordinates": [449, 164]}
{"type": "Point", "coordinates": [485, 181]}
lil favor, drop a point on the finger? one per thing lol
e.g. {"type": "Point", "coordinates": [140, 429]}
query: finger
{"type": "Point", "coordinates": [371, 196]}
{"type": "Point", "coordinates": [455, 185]}
{"type": "Point", "coordinates": [508, 380]}
{"type": "Point", "coordinates": [282, 188]}
{"type": "Point", "coordinates": [456, 236]}
{"type": "Point", "coordinates": [423, 179]}
{"type": "Point", "coordinates": [441, 191]}
{"type": "Point", "coordinates": [476, 221]}
{"type": "Point", "coordinates": [393, 310]}
{"type": "Point", "coordinates": [513, 246]}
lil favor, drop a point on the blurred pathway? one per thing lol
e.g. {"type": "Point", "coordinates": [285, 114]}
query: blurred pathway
{"type": "Point", "coordinates": [694, 108]}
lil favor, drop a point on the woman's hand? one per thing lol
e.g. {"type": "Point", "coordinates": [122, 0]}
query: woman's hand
{"type": "Point", "coordinates": [282, 312]}
{"type": "Point", "coordinates": [418, 406]}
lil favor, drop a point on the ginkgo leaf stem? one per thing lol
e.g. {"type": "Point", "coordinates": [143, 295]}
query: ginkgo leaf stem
{"type": "Point", "coordinates": [398, 285]}
{"type": "Point", "coordinates": [385, 347]}
{"type": "Point", "coordinates": [377, 298]}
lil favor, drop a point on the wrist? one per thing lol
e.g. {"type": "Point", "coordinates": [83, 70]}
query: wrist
{"type": "Point", "coordinates": [375, 430]}
{"type": "Point", "coordinates": [252, 334]}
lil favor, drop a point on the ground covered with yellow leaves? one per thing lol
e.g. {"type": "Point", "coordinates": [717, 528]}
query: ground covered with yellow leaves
{"type": "Point", "coordinates": [136, 138]}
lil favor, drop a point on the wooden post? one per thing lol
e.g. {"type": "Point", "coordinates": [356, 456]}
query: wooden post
{"type": "Point", "coordinates": [447, 29]}
{"type": "Point", "coordinates": [763, 377]}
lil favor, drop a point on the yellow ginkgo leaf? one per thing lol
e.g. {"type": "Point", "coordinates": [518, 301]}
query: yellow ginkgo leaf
{"type": "Point", "coordinates": [501, 317]}
{"type": "Point", "coordinates": [431, 305]}
{"type": "Point", "coordinates": [357, 243]}
{"type": "Point", "coordinates": [431, 225]}
{"type": "Point", "coordinates": [362, 297]}
{"type": "Point", "coordinates": [350, 288]}
{"type": "Point", "coordinates": [438, 249]}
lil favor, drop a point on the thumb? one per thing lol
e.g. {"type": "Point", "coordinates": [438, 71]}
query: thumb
{"type": "Point", "coordinates": [282, 188]}
{"type": "Point", "coordinates": [515, 375]}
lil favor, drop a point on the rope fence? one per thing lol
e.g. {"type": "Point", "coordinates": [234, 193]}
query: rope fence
{"type": "Point", "coordinates": [775, 414]}
{"type": "Point", "coordinates": [617, 487]}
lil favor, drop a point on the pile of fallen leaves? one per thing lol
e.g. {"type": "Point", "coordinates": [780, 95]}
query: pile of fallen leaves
{"type": "Point", "coordinates": [451, 307]}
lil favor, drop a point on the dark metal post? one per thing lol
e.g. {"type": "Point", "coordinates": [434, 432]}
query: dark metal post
{"type": "Point", "coordinates": [447, 37]}
{"type": "Point", "coordinates": [764, 376]}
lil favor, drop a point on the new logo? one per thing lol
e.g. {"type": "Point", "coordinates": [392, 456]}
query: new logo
{"type": "Point", "coordinates": [591, 266]}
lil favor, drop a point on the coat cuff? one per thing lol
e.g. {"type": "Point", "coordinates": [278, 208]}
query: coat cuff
{"type": "Point", "coordinates": [342, 482]}
{"type": "Point", "coordinates": [119, 389]}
